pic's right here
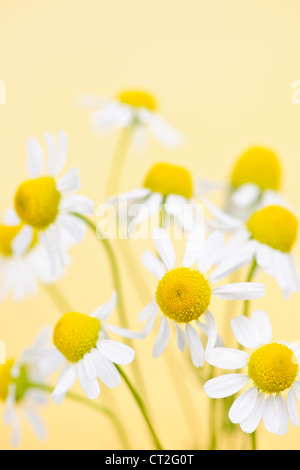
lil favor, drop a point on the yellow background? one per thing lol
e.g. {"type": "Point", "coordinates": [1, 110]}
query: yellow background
{"type": "Point", "coordinates": [222, 72]}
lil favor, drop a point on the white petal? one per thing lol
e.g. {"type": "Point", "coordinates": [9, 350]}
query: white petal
{"type": "Point", "coordinates": [225, 220]}
{"type": "Point", "coordinates": [90, 388]}
{"type": "Point", "coordinates": [244, 332]}
{"type": "Point", "coordinates": [211, 331]}
{"type": "Point", "coordinates": [148, 311]}
{"type": "Point", "coordinates": [240, 291]}
{"type": "Point", "coordinates": [107, 371]}
{"type": "Point", "coordinates": [243, 405]}
{"type": "Point", "coordinates": [262, 325]}
{"type": "Point", "coordinates": [246, 195]}
{"type": "Point", "coordinates": [164, 248]}
{"type": "Point", "coordinates": [292, 407]}
{"type": "Point", "coordinates": [161, 129]}
{"type": "Point", "coordinates": [35, 422]}
{"type": "Point", "coordinates": [227, 358]}
{"type": "Point", "coordinates": [270, 415]}
{"type": "Point", "coordinates": [135, 194]}
{"type": "Point", "coordinates": [70, 182]}
{"type": "Point", "coordinates": [180, 337]}
{"type": "Point", "coordinates": [193, 246]}
{"type": "Point", "coordinates": [124, 332]}
{"type": "Point", "coordinates": [195, 345]}
{"type": "Point", "coordinates": [231, 265]}
{"type": "Point", "coordinates": [153, 264]}
{"type": "Point", "coordinates": [51, 361]}
{"type": "Point", "coordinates": [22, 240]}
{"type": "Point", "coordinates": [78, 204]}
{"type": "Point", "coordinates": [225, 385]}
{"type": "Point", "coordinates": [106, 309]}
{"type": "Point", "coordinates": [250, 424]}
{"type": "Point", "coordinates": [66, 380]}
{"type": "Point", "coordinates": [36, 157]}
{"type": "Point", "coordinates": [90, 366]}
{"type": "Point", "coordinates": [162, 337]}
{"type": "Point", "coordinates": [146, 210]}
{"type": "Point", "coordinates": [73, 225]}
{"type": "Point", "coordinates": [283, 415]}
{"type": "Point", "coordinates": [210, 251]}
{"type": "Point", "coordinates": [116, 352]}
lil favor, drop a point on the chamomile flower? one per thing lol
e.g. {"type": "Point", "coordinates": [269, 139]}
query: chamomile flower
{"type": "Point", "coordinates": [136, 109]}
{"type": "Point", "coordinates": [271, 232]}
{"type": "Point", "coordinates": [23, 267]}
{"type": "Point", "coordinates": [167, 191]}
{"type": "Point", "coordinates": [44, 204]}
{"type": "Point", "coordinates": [183, 295]}
{"type": "Point", "coordinates": [256, 171]}
{"type": "Point", "coordinates": [83, 347]}
{"type": "Point", "coordinates": [18, 391]}
{"type": "Point", "coordinates": [272, 372]}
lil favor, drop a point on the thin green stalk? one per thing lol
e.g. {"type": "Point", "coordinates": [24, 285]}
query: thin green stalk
{"type": "Point", "coordinates": [142, 408]}
{"type": "Point", "coordinates": [116, 170]}
{"type": "Point", "coordinates": [93, 405]}
{"type": "Point", "coordinates": [58, 297]}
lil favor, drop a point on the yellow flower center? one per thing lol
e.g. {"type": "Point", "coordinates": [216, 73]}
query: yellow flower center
{"type": "Point", "coordinates": [260, 166]}
{"type": "Point", "coordinates": [21, 382]}
{"type": "Point", "coordinates": [138, 99]}
{"type": "Point", "coordinates": [37, 202]}
{"type": "Point", "coordinates": [273, 368]}
{"type": "Point", "coordinates": [183, 295]}
{"type": "Point", "coordinates": [166, 179]}
{"type": "Point", "coordinates": [76, 334]}
{"type": "Point", "coordinates": [274, 226]}
{"type": "Point", "coordinates": [7, 235]}
{"type": "Point", "coordinates": [5, 378]}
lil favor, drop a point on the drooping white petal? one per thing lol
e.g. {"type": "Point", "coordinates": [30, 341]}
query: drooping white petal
{"type": "Point", "coordinates": [90, 387]}
{"type": "Point", "coordinates": [240, 291]}
{"type": "Point", "coordinates": [211, 331]}
{"type": "Point", "coordinates": [246, 195]}
{"type": "Point", "coordinates": [51, 361]}
{"type": "Point", "coordinates": [227, 358]}
{"type": "Point", "coordinates": [270, 415]}
{"type": "Point", "coordinates": [116, 352]}
{"type": "Point", "coordinates": [164, 247]}
{"type": "Point", "coordinates": [292, 407]}
{"type": "Point", "coordinates": [153, 264]}
{"type": "Point", "coordinates": [107, 371]}
{"type": "Point", "coordinates": [250, 424]}
{"type": "Point", "coordinates": [225, 385]}
{"type": "Point", "coordinates": [195, 345]}
{"type": "Point", "coordinates": [146, 210]}
{"type": "Point", "coordinates": [70, 182]}
{"type": "Point", "coordinates": [283, 415]}
{"type": "Point", "coordinates": [162, 337]}
{"type": "Point", "coordinates": [78, 204]}
{"type": "Point", "coordinates": [243, 405]}
{"type": "Point", "coordinates": [74, 226]}
{"type": "Point", "coordinates": [35, 422]}
{"type": "Point", "coordinates": [161, 129]}
{"type": "Point", "coordinates": [90, 366]}
{"type": "Point", "coordinates": [180, 338]}
{"type": "Point", "coordinates": [124, 332]}
{"type": "Point", "coordinates": [224, 220]}
{"type": "Point", "coordinates": [67, 378]}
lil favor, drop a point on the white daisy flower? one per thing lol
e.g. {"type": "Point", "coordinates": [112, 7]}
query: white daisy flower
{"type": "Point", "coordinates": [82, 345]}
{"type": "Point", "coordinates": [184, 294]}
{"type": "Point", "coordinates": [271, 232]}
{"type": "Point", "coordinates": [256, 171]}
{"type": "Point", "coordinates": [132, 108]}
{"type": "Point", "coordinates": [168, 192]}
{"type": "Point", "coordinates": [17, 390]}
{"type": "Point", "coordinates": [272, 371]}
{"type": "Point", "coordinates": [22, 267]}
{"type": "Point", "coordinates": [45, 204]}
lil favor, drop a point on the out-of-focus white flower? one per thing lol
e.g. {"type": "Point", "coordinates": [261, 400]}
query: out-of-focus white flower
{"type": "Point", "coordinates": [272, 369]}
{"type": "Point", "coordinates": [45, 205]}
{"type": "Point", "coordinates": [18, 392]}
{"type": "Point", "coordinates": [132, 108]}
{"type": "Point", "coordinates": [184, 294]}
{"type": "Point", "coordinates": [271, 232]}
{"type": "Point", "coordinates": [82, 345]}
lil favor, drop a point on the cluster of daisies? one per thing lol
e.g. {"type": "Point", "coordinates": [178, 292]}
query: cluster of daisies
{"type": "Point", "coordinates": [256, 227]}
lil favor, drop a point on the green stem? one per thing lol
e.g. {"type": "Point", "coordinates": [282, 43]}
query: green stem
{"type": "Point", "coordinates": [93, 405]}
{"type": "Point", "coordinates": [142, 408]}
{"type": "Point", "coordinates": [58, 297]}
{"type": "Point", "coordinates": [114, 267]}
{"type": "Point", "coordinates": [116, 170]}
